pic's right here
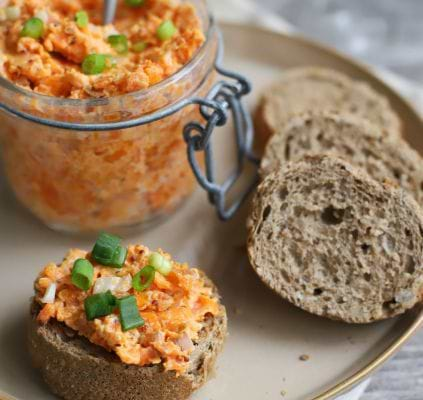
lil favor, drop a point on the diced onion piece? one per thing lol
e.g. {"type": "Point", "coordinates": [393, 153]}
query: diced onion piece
{"type": "Point", "coordinates": [42, 15]}
{"type": "Point", "coordinates": [13, 13]}
{"type": "Point", "coordinates": [184, 342]}
{"type": "Point", "coordinates": [50, 294]}
{"type": "Point", "coordinates": [125, 284]}
{"type": "Point", "coordinates": [2, 15]}
{"type": "Point", "coordinates": [106, 283]}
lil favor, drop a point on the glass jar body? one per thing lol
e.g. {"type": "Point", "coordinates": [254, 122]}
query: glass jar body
{"type": "Point", "coordinates": [90, 181]}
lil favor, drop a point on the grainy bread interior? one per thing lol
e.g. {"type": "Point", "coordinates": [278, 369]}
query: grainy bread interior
{"type": "Point", "coordinates": [337, 243]}
{"type": "Point", "coordinates": [76, 369]}
{"type": "Point", "coordinates": [320, 89]}
{"type": "Point", "coordinates": [356, 141]}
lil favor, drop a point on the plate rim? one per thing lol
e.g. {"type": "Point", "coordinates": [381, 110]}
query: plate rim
{"type": "Point", "coordinates": [347, 384]}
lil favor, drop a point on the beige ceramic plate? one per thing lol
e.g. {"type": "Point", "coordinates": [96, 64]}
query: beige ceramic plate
{"type": "Point", "coordinates": [267, 335]}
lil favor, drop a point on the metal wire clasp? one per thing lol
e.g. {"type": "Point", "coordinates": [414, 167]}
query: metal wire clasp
{"type": "Point", "coordinates": [224, 99]}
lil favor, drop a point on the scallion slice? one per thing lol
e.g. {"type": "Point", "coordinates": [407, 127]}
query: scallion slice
{"type": "Point", "coordinates": [99, 305]}
{"type": "Point", "coordinates": [139, 47]}
{"type": "Point", "coordinates": [160, 263]}
{"type": "Point", "coordinates": [82, 19]}
{"type": "Point", "coordinates": [119, 257]}
{"type": "Point", "coordinates": [166, 30]}
{"type": "Point", "coordinates": [105, 248]}
{"type": "Point", "coordinates": [129, 314]}
{"type": "Point", "coordinates": [119, 43]}
{"type": "Point", "coordinates": [143, 279]}
{"type": "Point", "coordinates": [34, 28]}
{"type": "Point", "coordinates": [82, 274]}
{"type": "Point", "coordinates": [94, 64]}
{"type": "Point", "coordinates": [134, 3]}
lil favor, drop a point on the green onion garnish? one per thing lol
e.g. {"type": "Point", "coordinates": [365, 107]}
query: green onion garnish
{"type": "Point", "coordinates": [94, 64]}
{"type": "Point", "coordinates": [139, 47]}
{"type": "Point", "coordinates": [129, 314]}
{"type": "Point", "coordinates": [82, 19]}
{"type": "Point", "coordinates": [143, 279]}
{"type": "Point", "coordinates": [134, 3]}
{"type": "Point", "coordinates": [33, 28]}
{"type": "Point", "coordinates": [119, 257]}
{"type": "Point", "coordinates": [119, 43]}
{"type": "Point", "coordinates": [160, 263]}
{"type": "Point", "coordinates": [108, 251]}
{"type": "Point", "coordinates": [166, 30]}
{"type": "Point", "coordinates": [82, 274]}
{"type": "Point", "coordinates": [99, 305]}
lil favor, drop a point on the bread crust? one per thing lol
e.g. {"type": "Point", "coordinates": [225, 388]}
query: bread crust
{"type": "Point", "coordinates": [76, 369]}
{"type": "Point", "coordinates": [334, 242]}
{"type": "Point", "coordinates": [348, 137]}
{"type": "Point", "coordinates": [314, 88]}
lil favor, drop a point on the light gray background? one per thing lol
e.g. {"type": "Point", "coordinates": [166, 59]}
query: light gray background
{"type": "Point", "coordinates": [389, 34]}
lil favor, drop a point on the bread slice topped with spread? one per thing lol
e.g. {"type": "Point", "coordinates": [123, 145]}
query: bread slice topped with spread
{"type": "Point", "coordinates": [305, 89]}
{"type": "Point", "coordinates": [356, 141]}
{"type": "Point", "coordinates": [124, 323]}
{"type": "Point", "coordinates": [333, 241]}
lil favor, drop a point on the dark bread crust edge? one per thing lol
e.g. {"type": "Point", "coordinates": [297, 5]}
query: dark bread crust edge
{"type": "Point", "coordinates": [74, 368]}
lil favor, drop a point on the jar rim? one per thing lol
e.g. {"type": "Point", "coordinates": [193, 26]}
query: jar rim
{"type": "Point", "coordinates": [92, 102]}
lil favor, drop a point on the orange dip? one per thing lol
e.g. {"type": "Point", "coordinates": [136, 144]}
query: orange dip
{"type": "Point", "coordinates": [174, 308]}
{"type": "Point", "coordinates": [51, 65]}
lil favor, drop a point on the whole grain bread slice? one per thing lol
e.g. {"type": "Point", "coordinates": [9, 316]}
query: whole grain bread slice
{"type": "Point", "coordinates": [319, 89]}
{"type": "Point", "coordinates": [76, 369]}
{"type": "Point", "coordinates": [345, 136]}
{"type": "Point", "coordinates": [335, 242]}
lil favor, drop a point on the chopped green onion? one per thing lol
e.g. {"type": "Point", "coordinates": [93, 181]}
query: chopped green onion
{"type": "Point", "coordinates": [143, 279]}
{"type": "Point", "coordinates": [82, 274]}
{"type": "Point", "coordinates": [129, 314]}
{"type": "Point", "coordinates": [139, 47]}
{"type": "Point", "coordinates": [12, 13]}
{"type": "Point", "coordinates": [94, 64]}
{"type": "Point", "coordinates": [134, 3]}
{"type": "Point", "coordinates": [105, 248]}
{"type": "Point", "coordinates": [166, 30]}
{"type": "Point", "coordinates": [33, 28]}
{"type": "Point", "coordinates": [81, 19]}
{"type": "Point", "coordinates": [99, 305]}
{"type": "Point", "coordinates": [119, 43]}
{"type": "Point", "coordinates": [119, 257]}
{"type": "Point", "coordinates": [160, 263]}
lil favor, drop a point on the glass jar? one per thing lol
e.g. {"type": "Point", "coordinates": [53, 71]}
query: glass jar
{"type": "Point", "coordinates": [89, 181]}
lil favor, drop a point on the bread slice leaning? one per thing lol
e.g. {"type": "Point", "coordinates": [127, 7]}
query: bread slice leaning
{"type": "Point", "coordinates": [335, 242]}
{"type": "Point", "coordinates": [76, 369]}
{"type": "Point", "coordinates": [345, 136]}
{"type": "Point", "coordinates": [319, 89]}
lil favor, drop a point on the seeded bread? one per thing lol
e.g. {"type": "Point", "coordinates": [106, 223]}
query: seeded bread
{"type": "Point", "coordinates": [335, 242]}
{"type": "Point", "coordinates": [319, 89]}
{"type": "Point", "coordinates": [76, 369]}
{"type": "Point", "coordinates": [345, 136]}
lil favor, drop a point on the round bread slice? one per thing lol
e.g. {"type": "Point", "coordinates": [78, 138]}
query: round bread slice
{"type": "Point", "coordinates": [76, 369]}
{"type": "Point", "coordinates": [320, 89]}
{"type": "Point", "coordinates": [335, 242]}
{"type": "Point", "coordinates": [356, 141]}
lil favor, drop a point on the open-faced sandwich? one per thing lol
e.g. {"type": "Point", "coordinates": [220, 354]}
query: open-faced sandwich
{"type": "Point", "coordinates": [124, 323]}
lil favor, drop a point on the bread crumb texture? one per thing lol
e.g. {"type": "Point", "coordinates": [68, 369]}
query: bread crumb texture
{"type": "Point", "coordinates": [335, 242]}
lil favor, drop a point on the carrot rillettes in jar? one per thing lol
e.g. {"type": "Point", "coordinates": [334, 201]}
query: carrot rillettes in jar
{"type": "Point", "coordinates": [58, 61]}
